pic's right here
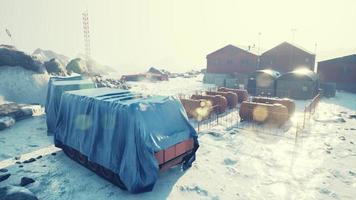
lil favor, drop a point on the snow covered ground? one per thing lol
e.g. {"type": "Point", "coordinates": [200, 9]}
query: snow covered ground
{"type": "Point", "coordinates": [235, 160]}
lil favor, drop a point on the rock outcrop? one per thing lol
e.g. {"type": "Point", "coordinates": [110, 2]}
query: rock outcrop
{"type": "Point", "coordinates": [10, 56]}
{"type": "Point", "coordinates": [77, 65]}
{"type": "Point", "coordinates": [54, 67]}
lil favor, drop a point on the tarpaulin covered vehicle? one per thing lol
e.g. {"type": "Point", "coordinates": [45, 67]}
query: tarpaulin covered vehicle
{"type": "Point", "coordinates": [125, 137]}
{"type": "Point", "coordinates": [56, 87]}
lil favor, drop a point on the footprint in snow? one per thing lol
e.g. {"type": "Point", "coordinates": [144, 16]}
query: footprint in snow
{"type": "Point", "coordinates": [228, 161]}
{"type": "Point", "coordinates": [195, 189]}
{"type": "Point", "coordinates": [215, 135]}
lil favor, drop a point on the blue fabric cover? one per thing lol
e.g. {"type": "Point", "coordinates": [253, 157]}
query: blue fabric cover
{"type": "Point", "coordinates": [55, 89]}
{"type": "Point", "coordinates": [59, 78]}
{"type": "Point", "coordinates": [121, 131]}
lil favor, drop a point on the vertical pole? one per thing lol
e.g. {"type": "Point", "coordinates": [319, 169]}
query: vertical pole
{"type": "Point", "coordinates": [304, 117]}
{"type": "Point", "coordinates": [198, 126]}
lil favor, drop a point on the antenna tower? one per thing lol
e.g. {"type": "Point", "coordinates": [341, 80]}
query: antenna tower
{"type": "Point", "coordinates": [86, 32]}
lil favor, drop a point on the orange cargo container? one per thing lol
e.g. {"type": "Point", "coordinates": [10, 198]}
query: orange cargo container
{"type": "Point", "coordinates": [198, 109]}
{"type": "Point", "coordinates": [263, 113]}
{"type": "Point", "coordinates": [286, 102]}
{"type": "Point", "coordinates": [218, 102]}
{"type": "Point", "coordinates": [241, 94]}
{"type": "Point", "coordinates": [231, 97]}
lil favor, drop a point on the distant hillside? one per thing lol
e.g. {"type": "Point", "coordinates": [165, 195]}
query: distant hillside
{"type": "Point", "coordinates": [46, 55]}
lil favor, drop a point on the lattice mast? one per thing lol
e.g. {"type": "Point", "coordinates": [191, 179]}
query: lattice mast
{"type": "Point", "coordinates": [86, 33]}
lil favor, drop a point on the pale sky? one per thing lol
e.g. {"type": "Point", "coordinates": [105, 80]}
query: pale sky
{"type": "Point", "coordinates": [177, 34]}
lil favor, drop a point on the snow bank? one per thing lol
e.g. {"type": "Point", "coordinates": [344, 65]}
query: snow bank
{"type": "Point", "coordinates": [22, 86]}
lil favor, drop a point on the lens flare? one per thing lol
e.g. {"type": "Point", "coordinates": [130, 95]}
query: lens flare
{"type": "Point", "coordinates": [83, 122]}
{"type": "Point", "coordinates": [260, 113]}
{"type": "Point", "coordinates": [263, 80]}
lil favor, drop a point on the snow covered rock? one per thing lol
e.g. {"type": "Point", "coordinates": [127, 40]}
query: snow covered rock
{"type": "Point", "coordinates": [46, 55]}
{"type": "Point", "coordinates": [6, 122]}
{"type": "Point", "coordinates": [352, 116]}
{"type": "Point", "coordinates": [26, 180]}
{"type": "Point", "coordinates": [54, 67]}
{"type": "Point", "coordinates": [109, 82]}
{"type": "Point", "coordinates": [77, 65]}
{"type": "Point", "coordinates": [155, 71]}
{"type": "Point", "coordinates": [15, 192]}
{"type": "Point", "coordinates": [16, 111]}
{"type": "Point", "coordinates": [10, 56]}
{"type": "Point", "coordinates": [4, 176]}
{"type": "Point", "coordinates": [23, 86]}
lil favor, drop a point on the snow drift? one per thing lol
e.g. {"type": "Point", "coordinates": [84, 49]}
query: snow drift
{"type": "Point", "coordinates": [22, 86]}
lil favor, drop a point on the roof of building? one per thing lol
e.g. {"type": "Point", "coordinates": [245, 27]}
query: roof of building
{"type": "Point", "coordinates": [293, 45]}
{"type": "Point", "coordinates": [348, 58]}
{"type": "Point", "coordinates": [300, 73]}
{"type": "Point", "coordinates": [237, 47]}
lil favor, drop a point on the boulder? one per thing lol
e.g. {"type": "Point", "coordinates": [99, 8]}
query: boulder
{"type": "Point", "coordinates": [77, 65]}
{"type": "Point", "coordinates": [3, 177]}
{"type": "Point", "coordinates": [46, 55]}
{"type": "Point", "coordinates": [54, 67]}
{"type": "Point", "coordinates": [16, 111]}
{"type": "Point", "coordinates": [6, 122]}
{"type": "Point", "coordinates": [26, 180]}
{"type": "Point", "coordinates": [15, 192]}
{"type": "Point", "coordinates": [155, 71]}
{"type": "Point", "coordinates": [10, 56]}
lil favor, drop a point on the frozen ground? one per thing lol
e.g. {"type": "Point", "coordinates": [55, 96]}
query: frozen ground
{"type": "Point", "coordinates": [235, 161]}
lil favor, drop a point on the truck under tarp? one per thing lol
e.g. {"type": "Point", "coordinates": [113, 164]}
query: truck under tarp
{"type": "Point", "coordinates": [123, 131]}
{"type": "Point", "coordinates": [56, 87]}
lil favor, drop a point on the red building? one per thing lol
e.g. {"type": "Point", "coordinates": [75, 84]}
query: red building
{"type": "Point", "coordinates": [286, 57]}
{"type": "Point", "coordinates": [341, 71]}
{"type": "Point", "coordinates": [231, 60]}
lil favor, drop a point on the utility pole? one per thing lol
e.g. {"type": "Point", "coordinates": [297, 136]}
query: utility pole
{"type": "Point", "coordinates": [259, 48]}
{"type": "Point", "coordinates": [315, 65]}
{"type": "Point", "coordinates": [292, 63]}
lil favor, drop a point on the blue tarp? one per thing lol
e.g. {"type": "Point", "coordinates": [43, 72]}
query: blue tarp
{"type": "Point", "coordinates": [121, 131]}
{"type": "Point", "coordinates": [59, 78]}
{"type": "Point", "coordinates": [55, 89]}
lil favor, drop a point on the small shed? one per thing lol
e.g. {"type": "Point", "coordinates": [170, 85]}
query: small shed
{"type": "Point", "coordinates": [263, 82]}
{"type": "Point", "coordinates": [298, 84]}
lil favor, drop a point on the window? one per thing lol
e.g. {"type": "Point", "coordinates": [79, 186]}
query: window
{"type": "Point", "coordinates": [229, 62]}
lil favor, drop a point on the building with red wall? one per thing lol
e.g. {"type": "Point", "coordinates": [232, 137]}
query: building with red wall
{"type": "Point", "coordinates": [341, 71]}
{"type": "Point", "coordinates": [287, 57]}
{"type": "Point", "coordinates": [231, 60]}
